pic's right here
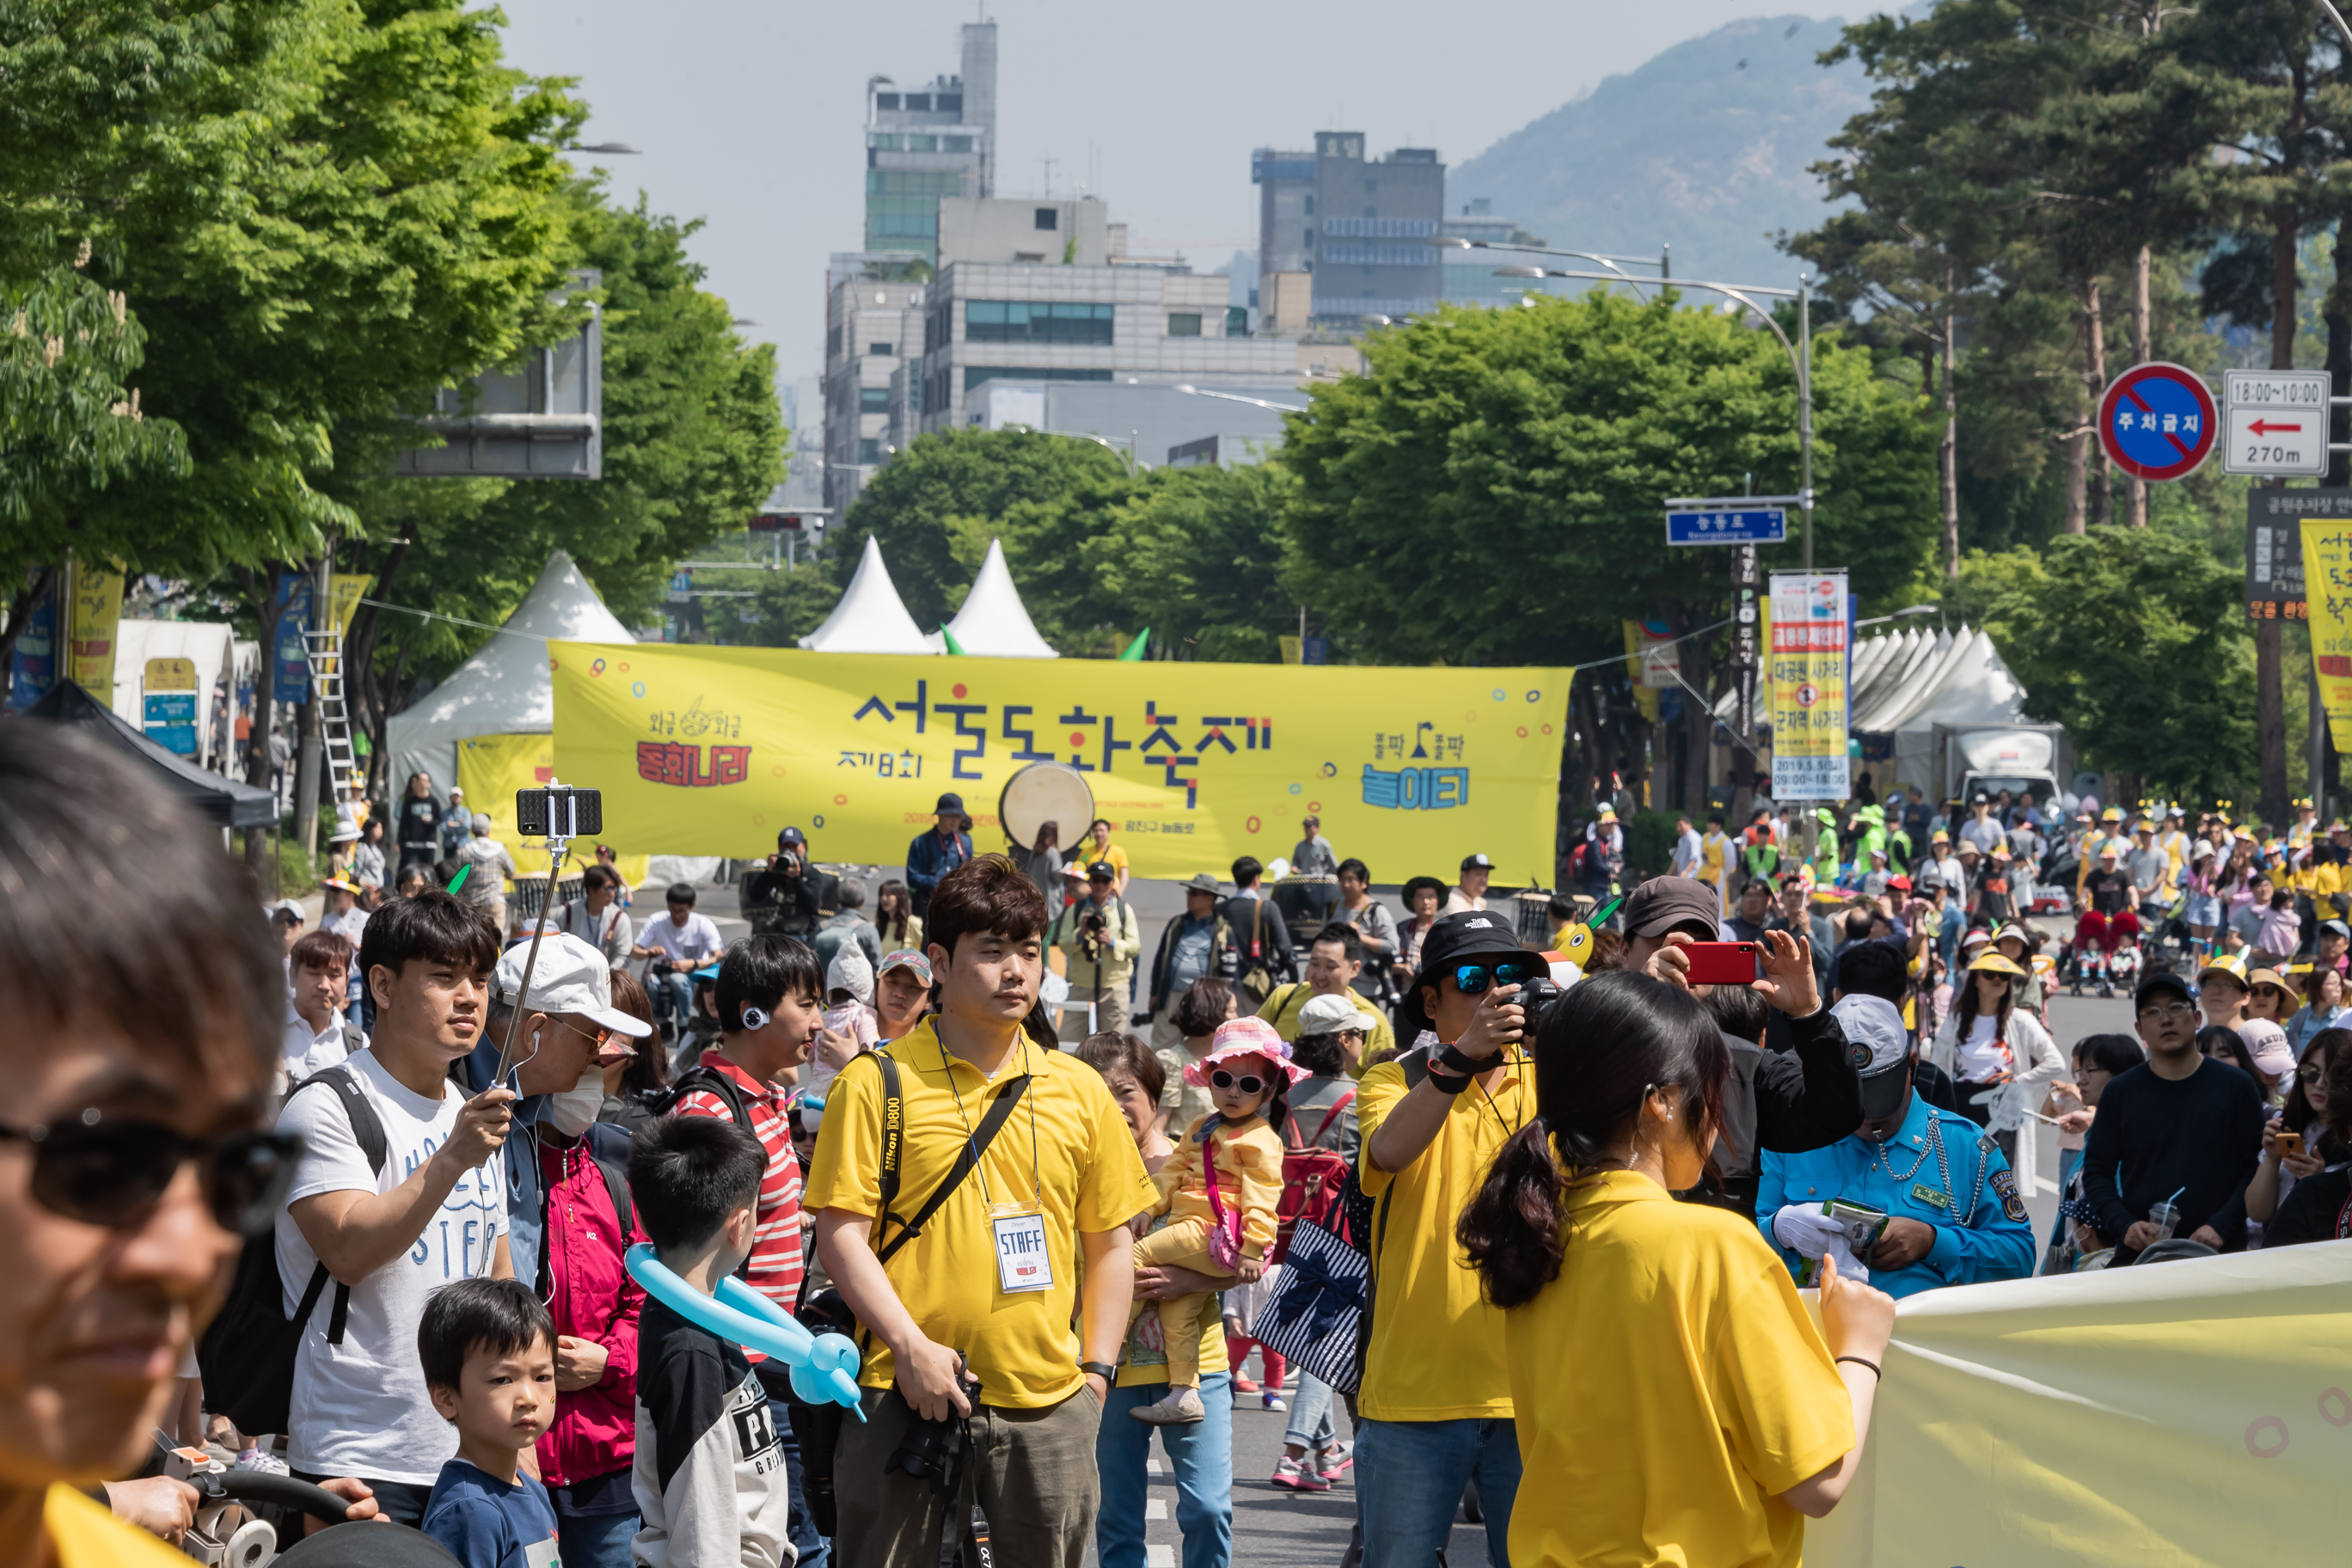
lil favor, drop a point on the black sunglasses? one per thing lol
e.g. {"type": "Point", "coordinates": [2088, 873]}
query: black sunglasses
{"type": "Point", "coordinates": [1248, 1083]}
{"type": "Point", "coordinates": [1473, 978]}
{"type": "Point", "coordinates": [111, 1170]}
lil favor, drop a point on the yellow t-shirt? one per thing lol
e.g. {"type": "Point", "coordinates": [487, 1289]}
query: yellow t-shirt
{"type": "Point", "coordinates": [1283, 1002]}
{"type": "Point", "coordinates": [1022, 1346]}
{"type": "Point", "coordinates": [1114, 857]}
{"type": "Point", "coordinates": [1249, 1178]}
{"type": "Point", "coordinates": [1437, 1345]}
{"type": "Point", "coordinates": [1712, 850]}
{"type": "Point", "coordinates": [83, 1534]}
{"type": "Point", "coordinates": [1678, 1313]}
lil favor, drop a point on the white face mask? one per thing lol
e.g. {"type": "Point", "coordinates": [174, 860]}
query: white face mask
{"type": "Point", "coordinates": [574, 1110]}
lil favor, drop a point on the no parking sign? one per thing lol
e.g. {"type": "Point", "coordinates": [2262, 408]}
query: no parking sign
{"type": "Point", "coordinates": [2158, 422]}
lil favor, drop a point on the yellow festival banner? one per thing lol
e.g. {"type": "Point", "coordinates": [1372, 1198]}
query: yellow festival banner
{"type": "Point", "coordinates": [343, 590]}
{"type": "Point", "coordinates": [1808, 673]}
{"type": "Point", "coordinates": [2192, 1413]}
{"type": "Point", "coordinates": [94, 610]}
{"type": "Point", "coordinates": [710, 751]}
{"type": "Point", "coordinates": [491, 768]}
{"type": "Point", "coordinates": [2327, 590]}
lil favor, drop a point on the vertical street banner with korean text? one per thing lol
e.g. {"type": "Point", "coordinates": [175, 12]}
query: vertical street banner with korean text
{"type": "Point", "coordinates": [1809, 650]}
{"type": "Point", "coordinates": [94, 628]}
{"type": "Point", "coordinates": [710, 751]}
{"type": "Point", "coordinates": [2327, 589]}
{"type": "Point", "coordinates": [168, 699]}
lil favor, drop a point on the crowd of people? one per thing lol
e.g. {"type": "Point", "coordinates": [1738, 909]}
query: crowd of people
{"type": "Point", "coordinates": [1055, 1213]}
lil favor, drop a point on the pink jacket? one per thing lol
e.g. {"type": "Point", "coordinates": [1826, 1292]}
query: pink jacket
{"type": "Point", "coordinates": [591, 1297]}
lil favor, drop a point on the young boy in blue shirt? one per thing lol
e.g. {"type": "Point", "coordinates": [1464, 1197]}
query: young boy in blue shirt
{"type": "Point", "coordinates": [489, 1349]}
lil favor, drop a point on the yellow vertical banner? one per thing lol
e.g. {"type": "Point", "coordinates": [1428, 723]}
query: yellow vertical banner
{"type": "Point", "coordinates": [1808, 672]}
{"type": "Point", "coordinates": [1645, 696]}
{"type": "Point", "coordinates": [343, 590]}
{"type": "Point", "coordinates": [94, 625]}
{"type": "Point", "coordinates": [2327, 589]}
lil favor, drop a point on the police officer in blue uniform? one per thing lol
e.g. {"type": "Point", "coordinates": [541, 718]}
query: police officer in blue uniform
{"type": "Point", "coordinates": [1953, 1213]}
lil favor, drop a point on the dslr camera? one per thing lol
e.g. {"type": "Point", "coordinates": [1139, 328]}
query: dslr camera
{"type": "Point", "coordinates": [934, 1450]}
{"type": "Point", "coordinates": [1533, 997]}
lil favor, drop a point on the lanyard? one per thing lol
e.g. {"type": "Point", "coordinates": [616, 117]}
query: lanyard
{"type": "Point", "coordinates": [1036, 1180]}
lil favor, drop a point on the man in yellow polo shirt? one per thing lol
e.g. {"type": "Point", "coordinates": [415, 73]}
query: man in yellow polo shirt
{"type": "Point", "coordinates": [1434, 1410]}
{"type": "Point", "coordinates": [1333, 961]}
{"type": "Point", "coordinates": [988, 1287]}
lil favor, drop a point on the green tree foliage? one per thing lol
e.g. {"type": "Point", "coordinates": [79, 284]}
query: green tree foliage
{"type": "Point", "coordinates": [1493, 490]}
{"type": "Point", "coordinates": [1196, 556]}
{"type": "Point", "coordinates": [2135, 640]}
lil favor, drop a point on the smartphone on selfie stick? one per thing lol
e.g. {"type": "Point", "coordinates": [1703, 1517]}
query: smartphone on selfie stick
{"type": "Point", "coordinates": [557, 814]}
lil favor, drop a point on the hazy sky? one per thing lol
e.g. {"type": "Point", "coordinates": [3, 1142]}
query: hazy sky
{"type": "Point", "coordinates": [749, 116]}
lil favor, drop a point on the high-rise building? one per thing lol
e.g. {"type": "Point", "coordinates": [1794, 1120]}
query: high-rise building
{"type": "Point", "coordinates": [1286, 210]}
{"type": "Point", "coordinates": [925, 142]}
{"type": "Point", "coordinates": [1375, 230]}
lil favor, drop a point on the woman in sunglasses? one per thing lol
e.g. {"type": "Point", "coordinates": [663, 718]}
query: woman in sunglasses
{"type": "Point", "coordinates": [135, 1154]}
{"type": "Point", "coordinates": [1650, 1453]}
{"type": "Point", "coordinates": [2302, 1143]}
{"type": "Point", "coordinates": [1221, 1188]}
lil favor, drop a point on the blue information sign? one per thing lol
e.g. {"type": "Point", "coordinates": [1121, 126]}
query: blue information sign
{"type": "Point", "coordinates": [1732, 523]}
{"type": "Point", "coordinates": [171, 722]}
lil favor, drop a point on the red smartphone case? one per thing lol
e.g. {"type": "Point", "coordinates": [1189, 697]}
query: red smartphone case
{"type": "Point", "coordinates": [1723, 963]}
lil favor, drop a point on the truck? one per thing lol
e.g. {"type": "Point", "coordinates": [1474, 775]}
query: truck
{"type": "Point", "coordinates": [1966, 759]}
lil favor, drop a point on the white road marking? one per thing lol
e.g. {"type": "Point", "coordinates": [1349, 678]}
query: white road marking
{"type": "Point", "coordinates": [1155, 1508]}
{"type": "Point", "coordinates": [1159, 1557]}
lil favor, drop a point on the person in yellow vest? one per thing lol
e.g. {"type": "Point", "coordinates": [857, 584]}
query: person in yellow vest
{"type": "Point", "coordinates": [1435, 1404]}
{"type": "Point", "coordinates": [2174, 842]}
{"type": "Point", "coordinates": [2306, 827]}
{"type": "Point", "coordinates": [1715, 857]}
{"type": "Point", "coordinates": [2109, 831]}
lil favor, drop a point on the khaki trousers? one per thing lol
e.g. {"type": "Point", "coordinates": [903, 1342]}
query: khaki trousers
{"type": "Point", "coordinates": [1033, 1471]}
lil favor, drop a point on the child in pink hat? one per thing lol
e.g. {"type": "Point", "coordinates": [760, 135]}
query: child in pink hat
{"type": "Point", "coordinates": [1222, 1228]}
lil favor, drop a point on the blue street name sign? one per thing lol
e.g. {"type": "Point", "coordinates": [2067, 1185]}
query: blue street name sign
{"type": "Point", "coordinates": [1743, 519]}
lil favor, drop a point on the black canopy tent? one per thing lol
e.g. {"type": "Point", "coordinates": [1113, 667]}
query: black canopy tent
{"type": "Point", "coordinates": [224, 802]}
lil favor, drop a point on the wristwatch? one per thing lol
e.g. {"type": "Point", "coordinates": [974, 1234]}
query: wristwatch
{"type": "Point", "coordinates": [1101, 1368]}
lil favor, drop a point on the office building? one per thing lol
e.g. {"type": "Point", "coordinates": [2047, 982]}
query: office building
{"type": "Point", "coordinates": [929, 142]}
{"type": "Point", "coordinates": [1286, 212]}
{"type": "Point", "coordinates": [872, 319]}
{"type": "Point", "coordinates": [1151, 325]}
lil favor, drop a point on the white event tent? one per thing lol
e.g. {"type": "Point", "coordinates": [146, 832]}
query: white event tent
{"type": "Point", "coordinates": [505, 689]}
{"type": "Point", "coordinates": [870, 617]}
{"type": "Point", "coordinates": [993, 622]}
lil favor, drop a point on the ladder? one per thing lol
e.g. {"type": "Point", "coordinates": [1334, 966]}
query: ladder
{"type": "Point", "coordinates": [325, 653]}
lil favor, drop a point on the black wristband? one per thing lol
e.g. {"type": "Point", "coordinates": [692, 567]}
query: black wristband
{"type": "Point", "coordinates": [1871, 1365]}
{"type": "Point", "coordinates": [1101, 1368]}
{"type": "Point", "coordinates": [1448, 1083]}
{"type": "Point", "coordinates": [1452, 1059]}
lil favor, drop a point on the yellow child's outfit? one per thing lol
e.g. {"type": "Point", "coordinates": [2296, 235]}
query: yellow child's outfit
{"type": "Point", "coordinates": [1248, 1163]}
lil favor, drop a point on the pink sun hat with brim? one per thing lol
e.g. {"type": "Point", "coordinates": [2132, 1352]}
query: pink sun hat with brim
{"type": "Point", "coordinates": [1243, 1037]}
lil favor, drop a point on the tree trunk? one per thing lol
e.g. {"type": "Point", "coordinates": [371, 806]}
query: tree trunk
{"type": "Point", "coordinates": [2338, 316]}
{"type": "Point", "coordinates": [2098, 498]}
{"type": "Point", "coordinates": [2270, 636]}
{"type": "Point", "coordinates": [2078, 459]}
{"type": "Point", "coordinates": [1949, 456]}
{"type": "Point", "coordinates": [2135, 490]}
{"type": "Point", "coordinates": [256, 753]}
{"type": "Point", "coordinates": [42, 583]}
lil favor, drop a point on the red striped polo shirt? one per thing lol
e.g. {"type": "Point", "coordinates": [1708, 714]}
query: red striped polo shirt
{"type": "Point", "coordinates": [776, 1262]}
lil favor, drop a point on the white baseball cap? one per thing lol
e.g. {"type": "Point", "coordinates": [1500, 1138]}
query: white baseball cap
{"type": "Point", "coordinates": [571, 976]}
{"type": "Point", "coordinates": [1328, 1015]}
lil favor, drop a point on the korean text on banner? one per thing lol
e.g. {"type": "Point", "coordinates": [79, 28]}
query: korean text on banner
{"type": "Point", "coordinates": [710, 751]}
{"type": "Point", "coordinates": [2116, 1419]}
{"type": "Point", "coordinates": [94, 608]}
{"type": "Point", "coordinates": [491, 768]}
{"type": "Point", "coordinates": [1809, 647]}
{"type": "Point", "coordinates": [2327, 588]}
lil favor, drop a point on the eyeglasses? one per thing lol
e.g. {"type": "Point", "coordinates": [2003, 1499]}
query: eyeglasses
{"type": "Point", "coordinates": [2312, 1072]}
{"type": "Point", "coordinates": [112, 1171]}
{"type": "Point", "coordinates": [1248, 1083]}
{"type": "Point", "coordinates": [1473, 978]}
{"type": "Point", "coordinates": [2157, 1011]}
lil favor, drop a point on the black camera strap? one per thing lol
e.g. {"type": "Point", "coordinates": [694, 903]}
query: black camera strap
{"type": "Point", "coordinates": [894, 1122]}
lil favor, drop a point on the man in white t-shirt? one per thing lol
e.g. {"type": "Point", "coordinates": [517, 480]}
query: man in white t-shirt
{"type": "Point", "coordinates": [317, 1036]}
{"type": "Point", "coordinates": [434, 1213]}
{"type": "Point", "coordinates": [686, 942]}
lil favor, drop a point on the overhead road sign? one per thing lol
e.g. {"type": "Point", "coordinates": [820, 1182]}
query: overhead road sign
{"type": "Point", "coordinates": [2276, 422]}
{"type": "Point", "coordinates": [2158, 422]}
{"type": "Point", "coordinates": [1729, 520]}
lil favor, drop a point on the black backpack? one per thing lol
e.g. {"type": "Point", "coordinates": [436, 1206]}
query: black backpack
{"type": "Point", "coordinates": [246, 1356]}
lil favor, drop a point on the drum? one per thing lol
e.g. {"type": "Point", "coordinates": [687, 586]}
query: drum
{"type": "Point", "coordinates": [1307, 905]}
{"type": "Point", "coordinates": [530, 894]}
{"type": "Point", "coordinates": [1043, 793]}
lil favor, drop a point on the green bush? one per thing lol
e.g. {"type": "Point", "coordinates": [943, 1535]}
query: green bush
{"type": "Point", "coordinates": [1649, 845]}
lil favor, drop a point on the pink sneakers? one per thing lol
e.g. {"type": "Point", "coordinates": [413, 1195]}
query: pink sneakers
{"type": "Point", "coordinates": [1293, 1473]}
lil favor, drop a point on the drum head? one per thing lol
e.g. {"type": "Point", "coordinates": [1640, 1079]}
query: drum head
{"type": "Point", "coordinates": [1043, 793]}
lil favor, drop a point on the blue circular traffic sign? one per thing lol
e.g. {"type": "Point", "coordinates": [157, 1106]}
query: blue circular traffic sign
{"type": "Point", "coordinates": [2158, 422]}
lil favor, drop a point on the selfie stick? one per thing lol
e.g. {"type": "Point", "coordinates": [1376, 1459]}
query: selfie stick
{"type": "Point", "coordinates": [559, 818]}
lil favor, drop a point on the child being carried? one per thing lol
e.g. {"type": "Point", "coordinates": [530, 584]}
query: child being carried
{"type": "Point", "coordinates": [1220, 1192]}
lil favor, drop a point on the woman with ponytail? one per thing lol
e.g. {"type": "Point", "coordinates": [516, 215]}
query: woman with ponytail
{"type": "Point", "coordinates": [1667, 1382]}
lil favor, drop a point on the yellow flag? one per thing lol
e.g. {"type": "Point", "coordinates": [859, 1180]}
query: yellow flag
{"type": "Point", "coordinates": [710, 751]}
{"type": "Point", "coordinates": [94, 608]}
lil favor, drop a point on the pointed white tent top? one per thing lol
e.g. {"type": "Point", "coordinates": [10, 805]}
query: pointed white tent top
{"type": "Point", "coordinates": [505, 689]}
{"type": "Point", "coordinates": [871, 617]}
{"type": "Point", "coordinates": [993, 623]}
